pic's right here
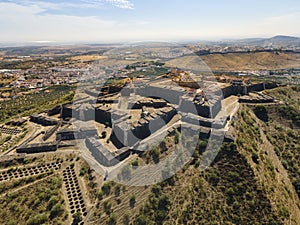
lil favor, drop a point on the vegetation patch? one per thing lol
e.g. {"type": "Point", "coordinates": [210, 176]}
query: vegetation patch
{"type": "Point", "coordinates": [38, 204]}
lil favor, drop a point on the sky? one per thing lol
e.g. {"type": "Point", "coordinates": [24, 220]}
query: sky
{"type": "Point", "coordinates": [109, 21]}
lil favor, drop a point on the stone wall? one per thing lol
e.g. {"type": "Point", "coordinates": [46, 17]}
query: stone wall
{"type": "Point", "coordinates": [50, 132]}
{"type": "Point", "coordinates": [260, 98]}
{"type": "Point", "coordinates": [100, 114]}
{"type": "Point", "coordinates": [72, 134]}
{"type": "Point", "coordinates": [151, 103]}
{"type": "Point", "coordinates": [206, 109]}
{"type": "Point", "coordinates": [54, 111]}
{"type": "Point", "coordinates": [261, 86]}
{"type": "Point", "coordinates": [256, 87]}
{"type": "Point", "coordinates": [101, 154]}
{"type": "Point", "coordinates": [243, 90]}
{"type": "Point", "coordinates": [45, 121]}
{"type": "Point", "coordinates": [205, 122]}
{"type": "Point", "coordinates": [103, 115]}
{"type": "Point", "coordinates": [123, 133]}
{"type": "Point", "coordinates": [168, 93]}
{"type": "Point", "coordinates": [67, 111]}
{"type": "Point", "coordinates": [37, 148]}
{"type": "Point", "coordinates": [126, 134]}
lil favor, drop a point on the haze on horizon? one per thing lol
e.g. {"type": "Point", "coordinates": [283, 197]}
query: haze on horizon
{"type": "Point", "coordinates": [107, 21]}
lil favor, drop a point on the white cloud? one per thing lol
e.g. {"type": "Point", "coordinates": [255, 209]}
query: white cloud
{"type": "Point", "coordinates": [123, 4]}
{"type": "Point", "coordinates": [27, 23]}
{"type": "Point", "coordinates": [33, 22]}
{"type": "Point", "coordinates": [47, 5]}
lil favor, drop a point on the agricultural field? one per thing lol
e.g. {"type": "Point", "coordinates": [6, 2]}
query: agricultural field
{"type": "Point", "coordinates": [36, 102]}
{"type": "Point", "coordinates": [42, 190]}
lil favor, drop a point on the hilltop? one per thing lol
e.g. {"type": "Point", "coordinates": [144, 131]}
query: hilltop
{"type": "Point", "coordinates": [252, 61]}
{"type": "Point", "coordinates": [282, 40]}
{"type": "Point", "coordinates": [245, 61]}
{"type": "Point", "coordinates": [276, 40]}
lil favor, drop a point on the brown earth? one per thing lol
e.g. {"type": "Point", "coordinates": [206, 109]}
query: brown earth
{"type": "Point", "coordinates": [243, 61]}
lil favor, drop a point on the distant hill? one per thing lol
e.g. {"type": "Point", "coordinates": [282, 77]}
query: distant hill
{"type": "Point", "coordinates": [244, 61]}
{"type": "Point", "coordinates": [279, 40]}
{"type": "Point", "coordinates": [284, 38]}
{"type": "Point", "coordinates": [276, 40]}
{"type": "Point", "coordinates": [253, 61]}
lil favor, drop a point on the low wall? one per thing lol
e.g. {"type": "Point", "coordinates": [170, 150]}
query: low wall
{"type": "Point", "coordinates": [37, 148]}
{"type": "Point", "coordinates": [50, 132]}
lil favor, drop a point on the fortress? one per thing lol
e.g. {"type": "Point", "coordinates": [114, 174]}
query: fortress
{"type": "Point", "coordinates": [167, 100]}
{"type": "Point", "coordinates": [136, 114]}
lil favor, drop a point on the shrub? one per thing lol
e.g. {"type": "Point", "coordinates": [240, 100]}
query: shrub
{"type": "Point", "coordinates": [141, 220]}
{"type": "Point", "coordinates": [156, 190]}
{"type": "Point", "coordinates": [155, 154]}
{"type": "Point", "coordinates": [230, 191]}
{"type": "Point", "coordinates": [132, 201]}
{"type": "Point", "coordinates": [103, 134]}
{"type": "Point", "coordinates": [38, 219]}
{"type": "Point", "coordinates": [77, 218]}
{"type": "Point", "coordinates": [52, 201]}
{"type": "Point", "coordinates": [261, 113]}
{"type": "Point", "coordinates": [119, 201]}
{"type": "Point", "coordinates": [163, 203]}
{"type": "Point", "coordinates": [100, 195]}
{"type": "Point", "coordinates": [106, 188]}
{"type": "Point", "coordinates": [112, 220]}
{"type": "Point", "coordinates": [296, 184]}
{"type": "Point", "coordinates": [107, 207]}
{"type": "Point", "coordinates": [126, 218]}
{"type": "Point", "coordinates": [56, 210]}
{"type": "Point", "coordinates": [290, 113]}
{"type": "Point", "coordinates": [213, 178]}
{"type": "Point", "coordinates": [135, 163]}
{"type": "Point", "coordinates": [82, 172]}
{"type": "Point", "coordinates": [202, 144]}
{"type": "Point", "coordinates": [255, 157]}
{"type": "Point", "coordinates": [117, 190]}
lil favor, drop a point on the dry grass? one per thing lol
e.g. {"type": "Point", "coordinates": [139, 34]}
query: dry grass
{"type": "Point", "coordinates": [271, 175]}
{"type": "Point", "coordinates": [238, 61]}
{"type": "Point", "coordinates": [86, 58]}
{"type": "Point", "coordinates": [252, 61]}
